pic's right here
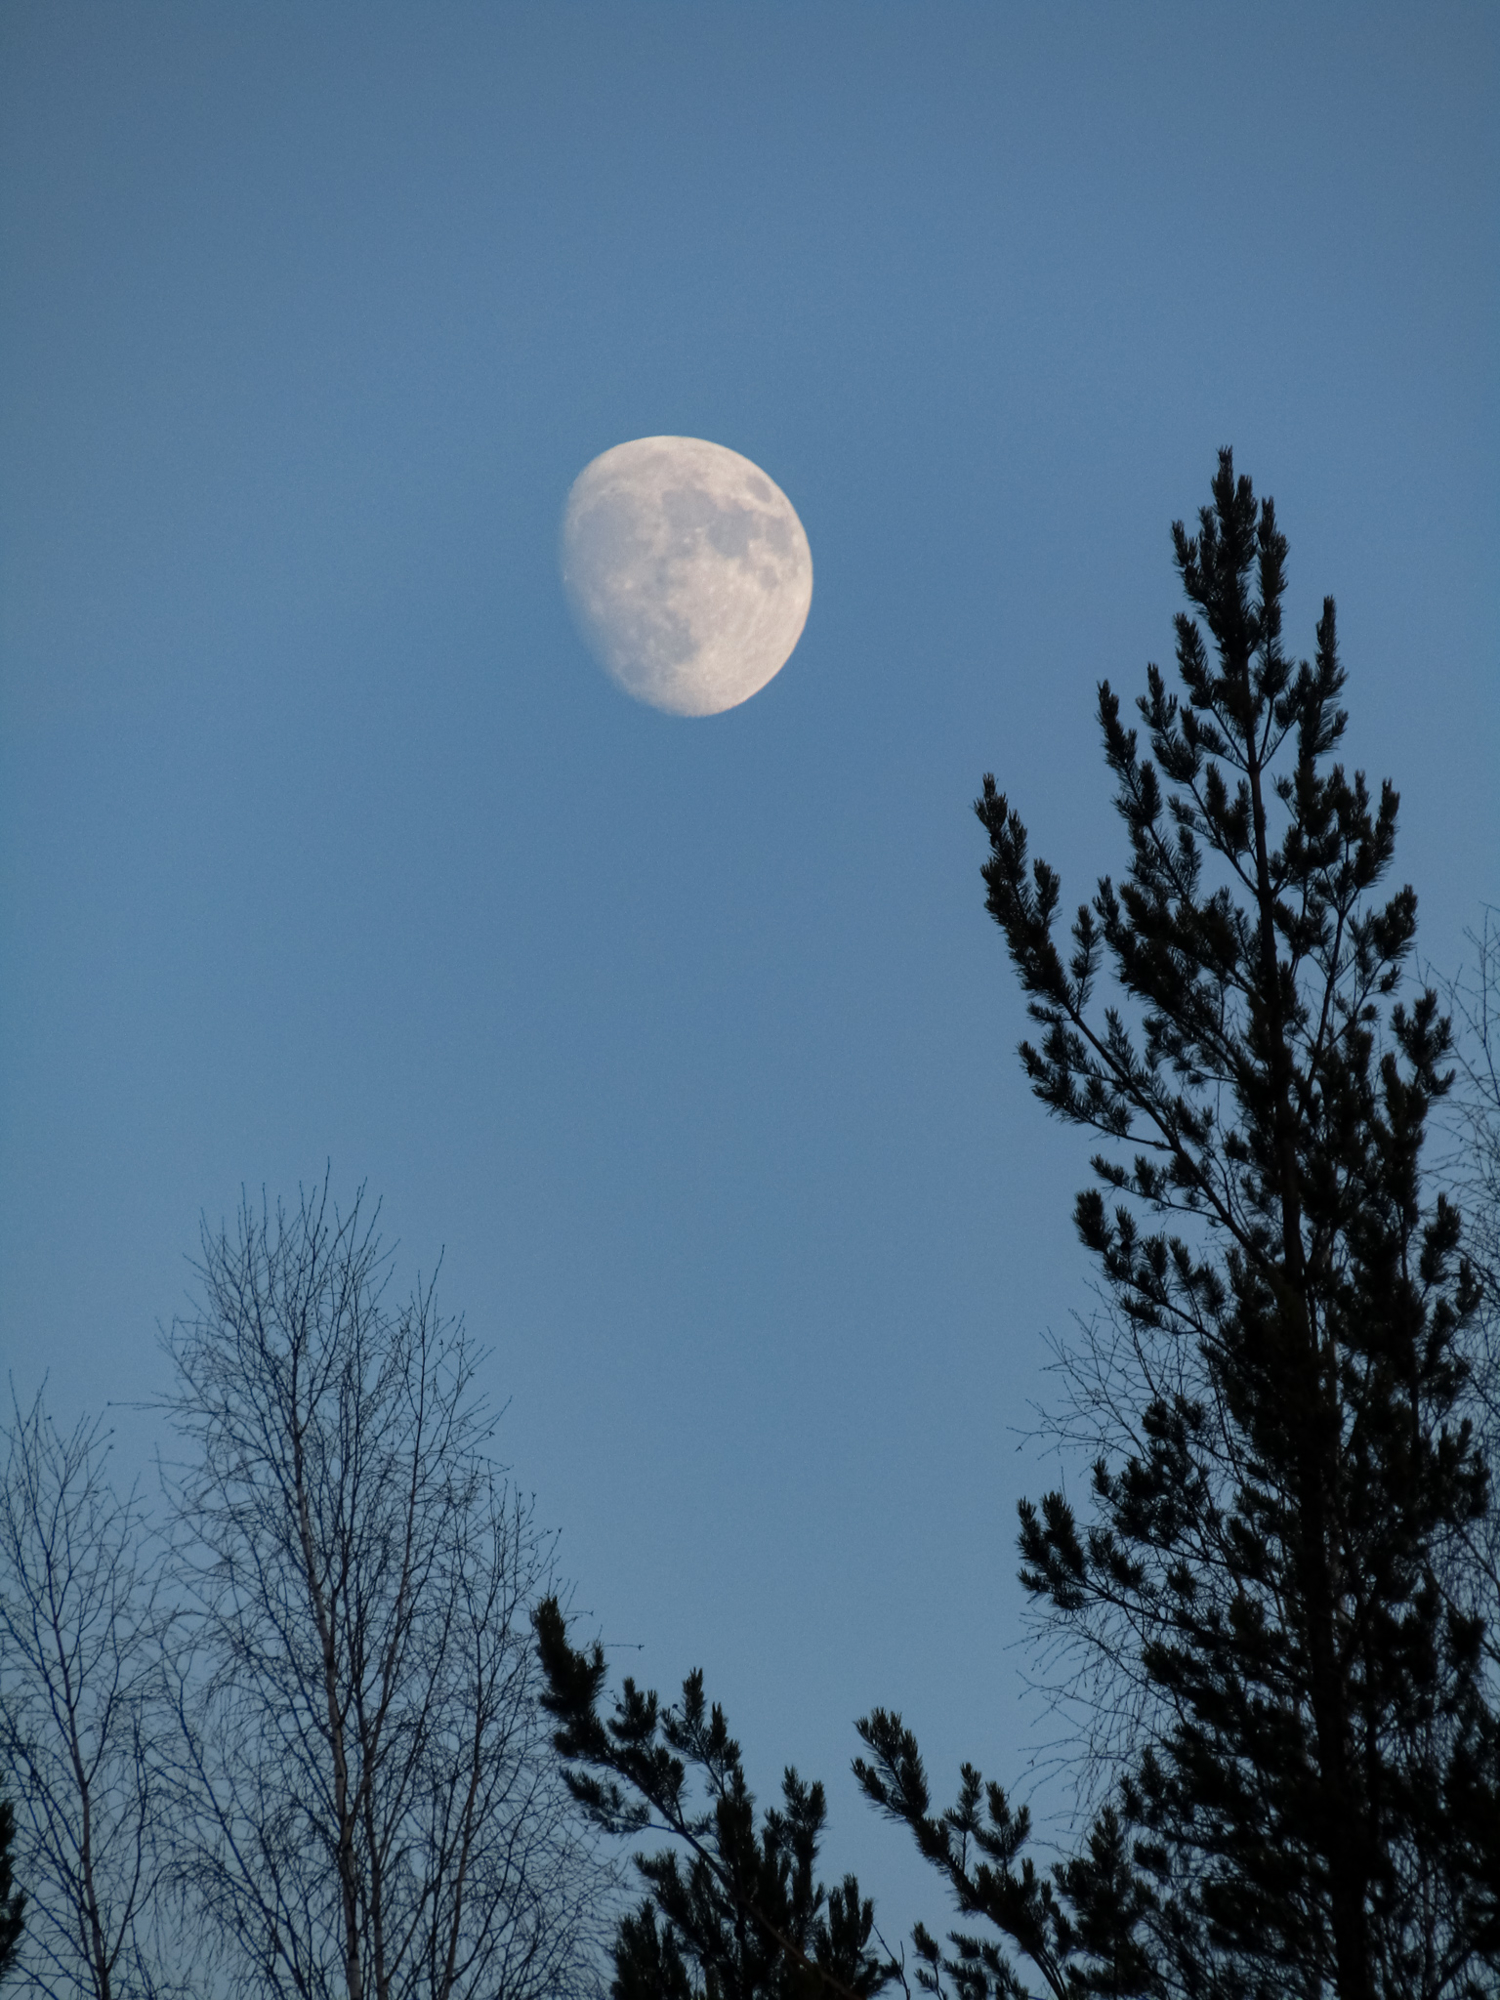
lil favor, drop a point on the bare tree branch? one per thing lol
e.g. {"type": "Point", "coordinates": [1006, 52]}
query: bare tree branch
{"type": "Point", "coordinates": [82, 1629]}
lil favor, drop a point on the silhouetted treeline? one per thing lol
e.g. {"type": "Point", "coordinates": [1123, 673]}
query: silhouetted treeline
{"type": "Point", "coordinates": [282, 1735]}
{"type": "Point", "coordinates": [1280, 1601]}
{"type": "Point", "coordinates": [321, 1728]}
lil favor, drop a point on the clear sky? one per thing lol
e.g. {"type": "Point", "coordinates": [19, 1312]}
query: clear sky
{"type": "Point", "coordinates": [688, 1043]}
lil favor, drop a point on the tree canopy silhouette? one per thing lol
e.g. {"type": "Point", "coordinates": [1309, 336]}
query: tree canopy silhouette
{"type": "Point", "coordinates": [1270, 1584]}
{"type": "Point", "coordinates": [733, 1909]}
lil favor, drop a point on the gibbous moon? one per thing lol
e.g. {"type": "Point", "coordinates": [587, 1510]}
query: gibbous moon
{"type": "Point", "coordinates": [687, 571]}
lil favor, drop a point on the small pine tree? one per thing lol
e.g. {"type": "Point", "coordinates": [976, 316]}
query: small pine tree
{"type": "Point", "coordinates": [734, 1911]}
{"type": "Point", "coordinates": [12, 1900]}
{"type": "Point", "coordinates": [1285, 1485]}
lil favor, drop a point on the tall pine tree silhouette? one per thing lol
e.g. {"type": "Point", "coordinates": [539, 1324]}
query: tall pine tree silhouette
{"type": "Point", "coordinates": [1271, 1576]}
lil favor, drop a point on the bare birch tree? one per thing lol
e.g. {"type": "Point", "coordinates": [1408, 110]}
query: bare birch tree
{"type": "Point", "coordinates": [368, 1791]}
{"type": "Point", "coordinates": [81, 1635]}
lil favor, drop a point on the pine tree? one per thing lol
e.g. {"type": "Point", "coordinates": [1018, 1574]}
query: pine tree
{"type": "Point", "coordinates": [734, 1911]}
{"type": "Point", "coordinates": [12, 1900]}
{"type": "Point", "coordinates": [1285, 1486]}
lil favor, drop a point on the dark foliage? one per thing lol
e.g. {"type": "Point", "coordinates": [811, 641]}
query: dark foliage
{"type": "Point", "coordinates": [735, 1911]}
{"type": "Point", "coordinates": [12, 1899]}
{"type": "Point", "coordinates": [1082, 1930]}
{"type": "Point", "coordinates": [1285, 1482]}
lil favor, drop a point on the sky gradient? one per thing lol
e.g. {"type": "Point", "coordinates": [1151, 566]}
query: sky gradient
{"type": "Point", "coordinates": [686, 1043]}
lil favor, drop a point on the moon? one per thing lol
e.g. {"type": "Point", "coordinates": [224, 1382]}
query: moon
{"type": "Point", "coordinates": [687, 571]}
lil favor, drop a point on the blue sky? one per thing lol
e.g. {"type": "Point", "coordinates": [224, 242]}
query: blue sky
{"type": "Point", "coordinates": [687, 1043]}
